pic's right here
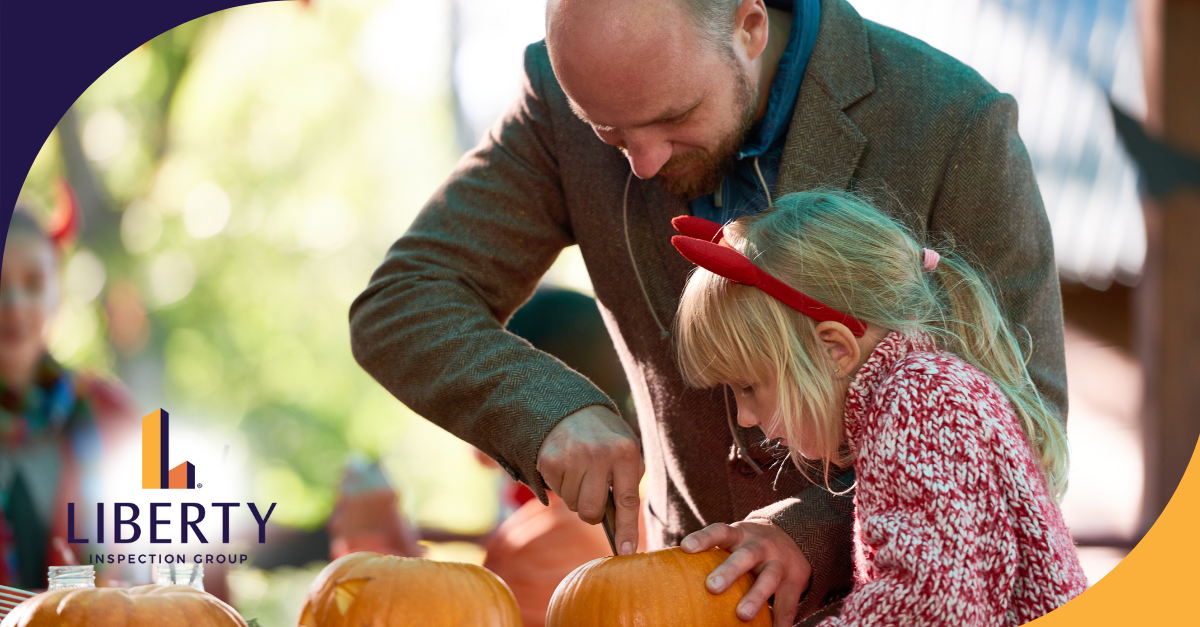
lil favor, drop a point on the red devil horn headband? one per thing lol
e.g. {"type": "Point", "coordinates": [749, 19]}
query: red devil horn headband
{"type": "Point", "coordinates": [64, 223]}
{"type": "Point", "coordinates": [699, 228]}
{"type": "Point", "coordinates": [703, 243]}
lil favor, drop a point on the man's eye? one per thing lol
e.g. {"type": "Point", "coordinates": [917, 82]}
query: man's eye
{"type": "Point", "coordinates": [680, 119]}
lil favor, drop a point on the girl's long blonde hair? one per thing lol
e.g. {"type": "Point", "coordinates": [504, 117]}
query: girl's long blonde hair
{"type": "Point", "coordinates": [840, 250]}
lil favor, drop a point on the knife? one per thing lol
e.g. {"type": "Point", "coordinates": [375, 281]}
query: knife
{"type": "Point", "coordinates": [609, 522]}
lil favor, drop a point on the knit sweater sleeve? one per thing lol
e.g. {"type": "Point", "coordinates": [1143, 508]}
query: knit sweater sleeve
{"type": "Point", "coordinates": [929, 534]}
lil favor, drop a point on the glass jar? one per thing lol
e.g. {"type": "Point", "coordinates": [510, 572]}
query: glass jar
{"type": "Point", "coordinates": [181, 574]}
{"type": "Point", "coordinates": [68, 577]}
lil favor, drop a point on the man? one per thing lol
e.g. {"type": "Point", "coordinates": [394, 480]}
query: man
{"type": "Point", "coordinates": [633, 113]}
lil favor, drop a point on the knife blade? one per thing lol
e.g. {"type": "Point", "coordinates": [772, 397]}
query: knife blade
{"type": "Point", "coordinates": [609, 522]}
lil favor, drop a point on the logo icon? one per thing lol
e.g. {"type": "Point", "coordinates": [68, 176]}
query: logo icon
{"type": "Point", "coordinates": [155, 475]}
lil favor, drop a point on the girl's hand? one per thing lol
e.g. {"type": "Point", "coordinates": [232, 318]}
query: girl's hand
{"type": "Point", "coordinates": [761, 547]}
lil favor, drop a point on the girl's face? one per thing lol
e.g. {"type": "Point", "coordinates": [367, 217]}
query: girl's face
{"type": "Point", "coordinates": [28, 295]}
{"type": "Point", "coordinates": [757, 404]}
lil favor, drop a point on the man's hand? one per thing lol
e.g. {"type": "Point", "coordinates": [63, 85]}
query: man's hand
{"type": "Point", "coordinates": [583, 455]}
{"type": "Point", "coordinates": [761, 547]}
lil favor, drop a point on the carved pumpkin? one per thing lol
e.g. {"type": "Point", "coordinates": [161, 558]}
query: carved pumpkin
{"type": "Point", "coordinates": [373, 590]}
{"type": "Point", "coordinates": [660, 588]}
{"type": "Point", "coordinates": [143, 605]}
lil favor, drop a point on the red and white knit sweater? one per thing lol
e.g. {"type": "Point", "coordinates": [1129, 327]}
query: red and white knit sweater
{"type": "Point", "coordinates": [953, 522]}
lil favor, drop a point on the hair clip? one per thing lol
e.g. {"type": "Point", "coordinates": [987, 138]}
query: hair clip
{"type": "Point", "coordinates": [931, 259]}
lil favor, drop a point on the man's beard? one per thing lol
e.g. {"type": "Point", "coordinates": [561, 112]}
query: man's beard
{"type": "Point", "coordinates": [713, 167]}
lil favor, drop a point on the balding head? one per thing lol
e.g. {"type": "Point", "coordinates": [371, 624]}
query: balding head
{"type": "Point", "coordinates": [712, 21]}
{"type": "Point", "coordinates": [622, 53]}
{"type": "Point", "coordinates": [673, 84]}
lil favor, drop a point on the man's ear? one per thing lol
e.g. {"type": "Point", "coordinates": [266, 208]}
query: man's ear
{"type": "Point", "coordinates": [750, 27]}
{"type": "Point", "coordinates": [840, 346]}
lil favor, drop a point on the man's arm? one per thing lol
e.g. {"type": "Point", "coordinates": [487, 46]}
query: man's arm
{"type": "Point", "coordinates": [429, 326]}
{"type": "Point", "coordinates": [990, 206]}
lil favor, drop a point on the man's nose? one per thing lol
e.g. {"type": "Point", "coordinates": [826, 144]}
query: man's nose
{"type": "Point", "coordinates": [646, 153]}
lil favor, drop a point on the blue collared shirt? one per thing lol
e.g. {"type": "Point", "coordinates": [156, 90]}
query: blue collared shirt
{"type": "Point", "coordinates": [740, 192]}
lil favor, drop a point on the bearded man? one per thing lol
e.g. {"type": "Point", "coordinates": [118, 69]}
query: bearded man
{"type": "Point", "coordinates": [635, 112]}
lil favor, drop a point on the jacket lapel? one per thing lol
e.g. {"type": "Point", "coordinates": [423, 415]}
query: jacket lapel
{"type": "Point", "coordinates": [823, 145]}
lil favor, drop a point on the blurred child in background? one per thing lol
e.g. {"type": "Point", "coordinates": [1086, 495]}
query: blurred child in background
{"type": "Point", "coordinates": [53, 422]}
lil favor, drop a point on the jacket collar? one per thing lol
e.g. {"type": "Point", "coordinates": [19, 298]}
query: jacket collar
{"type": "Point", "coordinates": [823, 145]}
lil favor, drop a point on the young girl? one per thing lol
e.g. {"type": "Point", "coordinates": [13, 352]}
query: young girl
{"type": "Point", "coordinates": [849, 343]}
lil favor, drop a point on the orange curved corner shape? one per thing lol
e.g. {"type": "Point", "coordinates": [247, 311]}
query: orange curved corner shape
{"type": "Point", "coordinates": [1158, 583]}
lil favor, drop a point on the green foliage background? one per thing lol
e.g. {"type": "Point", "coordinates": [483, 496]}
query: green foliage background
{"type": "Point", "coordinates": [270, 114]}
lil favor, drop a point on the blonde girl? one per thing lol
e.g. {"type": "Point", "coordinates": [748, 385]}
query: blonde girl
{"type": "Point", "coordinates": [851, 344]}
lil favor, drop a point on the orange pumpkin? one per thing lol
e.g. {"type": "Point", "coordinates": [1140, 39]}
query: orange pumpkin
{"type": "Point", "coordinates": [537, 547]}
{"type": "Point", "coordinates": [143, 605]}
{"type": "Point", "coordinates": [373, 590]}
{"type": "Point", "coordinates": [660, 588]}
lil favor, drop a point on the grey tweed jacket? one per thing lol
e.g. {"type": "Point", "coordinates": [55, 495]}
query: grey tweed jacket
{"type": "Point", "coordinates": [877, 110]}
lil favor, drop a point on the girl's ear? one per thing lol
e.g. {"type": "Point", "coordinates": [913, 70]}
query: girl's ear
{"type": "Point", "coordinates": [840, 347]}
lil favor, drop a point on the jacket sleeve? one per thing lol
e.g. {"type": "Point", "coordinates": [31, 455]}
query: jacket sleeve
{"type": "Point", "coordinates": [990, 208]}
{"type": "Point", "coordinates": [430, 324]}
